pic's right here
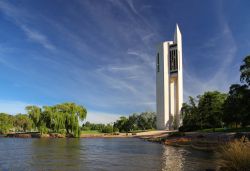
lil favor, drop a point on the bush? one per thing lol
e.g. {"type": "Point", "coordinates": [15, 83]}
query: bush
{"type": "Point", "coordinates": [107, 129]}
{"type": "Point", "coordinates": [235, 156]}
{"type": "Point", "coordinates": [43, 129]}
{"type": "Point", "coordinates": [115, 129]}
{"type": "Point", "coordinates": [62, 131]}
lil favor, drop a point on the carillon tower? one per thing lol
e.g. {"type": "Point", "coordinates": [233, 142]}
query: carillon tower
{"type": "Point", "coordinates": [169, 83]}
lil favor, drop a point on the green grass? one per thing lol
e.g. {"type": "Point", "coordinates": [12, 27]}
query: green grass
{"type": "Point", "coordinates": [246, 129]}
{"type": "Point", "coordinates": [91, 132]}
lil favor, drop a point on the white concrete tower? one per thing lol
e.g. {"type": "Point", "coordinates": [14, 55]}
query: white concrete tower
{"type": "Point", "coordinates": [169, 83]}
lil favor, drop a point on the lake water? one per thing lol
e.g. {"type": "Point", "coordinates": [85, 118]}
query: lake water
{"type": "Point", "coordinates": [118, 154]}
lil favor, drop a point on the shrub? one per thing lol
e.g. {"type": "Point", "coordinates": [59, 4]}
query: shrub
{"type": "Point", "coordinates": [235, 156]}
{"type": "Point", "coordinates": [115, 129]}
{"type": "Point", "coordinates": [62, 131]}
{"type": "Point", "coordinates": [43, 129]}
{"type": "Point", "coordinates": [107, 129]}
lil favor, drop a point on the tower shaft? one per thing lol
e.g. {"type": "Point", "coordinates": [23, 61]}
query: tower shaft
{"type": "Point", "coordinates": [169, 83]}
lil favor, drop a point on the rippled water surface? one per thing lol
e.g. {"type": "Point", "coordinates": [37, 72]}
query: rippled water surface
{"type": "Point", "coordinates": [118, 154]}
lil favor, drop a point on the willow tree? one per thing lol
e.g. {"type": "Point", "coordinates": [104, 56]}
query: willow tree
{"type": "Point", "coordinates": [23, 122]}
{"type": "Point", "coordinates": [54, 119]}
{"type": "Point", "coordinates": [71, 113]}
{"type": "Point", "coordinates": [34, 113]}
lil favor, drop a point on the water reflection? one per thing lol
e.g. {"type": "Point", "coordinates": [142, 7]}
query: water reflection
{"type": "Point", "coordinates": [55, 154]}
{"type": "Point", "coordinates": [120, 154]}
{"type": "Point", "coordinates": [98, 154]}
{"type": "Point", "coordinates": [178, 158]}
{"type": "Point", "coordinates": [173, 158]}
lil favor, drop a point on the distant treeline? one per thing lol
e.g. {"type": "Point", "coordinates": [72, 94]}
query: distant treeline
{"type": "Point", "coordinates": [215, 109]}
{"type": "Point", "coordinates": [104, 128]}
{"type": "Point", "coordinates": [134, 122]}
{"type": "Point", "coordinates": [142, 121]}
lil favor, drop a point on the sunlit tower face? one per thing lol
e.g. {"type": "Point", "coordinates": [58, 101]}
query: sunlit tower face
{"type": "Point", "coordinates": [169, 82]}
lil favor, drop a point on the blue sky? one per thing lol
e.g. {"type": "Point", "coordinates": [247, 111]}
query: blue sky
{"type": "Point", "coordinates": [101, 53]}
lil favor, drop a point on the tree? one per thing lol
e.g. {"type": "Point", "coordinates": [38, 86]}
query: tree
{"type": "Point", "coordinates": [92, 126]}
{"type": "Point", "coordinates": [121, 124]}
{"type": "Point", "coordinates": [6, 123]}
{"type": "Point", "coordinates": [107, 128]}
{"type": "Point", "coordinates": [147, 120]}
{"type": "Point", "coordinates": [143, 121]}
{"type": "Point", "coordinates": [34, 113]}
{"type": "Point", "coordinates": [236, 107]}
{"type": "Point", "coordinates": [237, 104]}
{"type": "Point", "coordinates": [210, 107]}
{"type": "Point", "coordinates": [72, 113]}
{"type": "Point", "coordinates": [132, 122]}
{"type": "Point", "coordinates": [245, 70]}
{"type": "Point", "coordinates": [23, 122]}
{"type": "Point", "coordinates": [191, 119]}
{"type": "Point", "coordinates": [54, 119]}
{"type": "Point", "coordinates": [58, 117]}
{"type": "Point", "coordinates": [205, 112]}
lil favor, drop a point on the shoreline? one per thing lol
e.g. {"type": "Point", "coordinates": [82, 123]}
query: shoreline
{"type": "Point", "coordinates": [195, 140]}
{"type": "Point", "coordinates": [99, 135]}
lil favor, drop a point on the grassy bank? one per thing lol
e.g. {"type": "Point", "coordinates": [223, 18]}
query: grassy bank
{"type": "Point", "coordinates": [234, 155]}
{"type": "Point", "coordinates": [246, 129]}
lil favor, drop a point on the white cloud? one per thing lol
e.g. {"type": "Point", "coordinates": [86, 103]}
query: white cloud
{"type": "Point", "coordinates": [101, 117]}
{"type": "Point", "coordinates": [20, 18]}
{"type": "Point", "coordinates": [13, 107]}
{"type": "Point", "coordinates": [37, 37]}
{"type": "Point", "coordinates": [224, 75]}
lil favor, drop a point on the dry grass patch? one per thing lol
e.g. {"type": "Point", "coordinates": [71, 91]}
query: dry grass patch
{"type": "Point", "coordinates": [235, 156]}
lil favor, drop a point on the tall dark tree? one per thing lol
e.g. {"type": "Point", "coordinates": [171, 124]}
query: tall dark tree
{"type": "Point", "coordinates": [245, 70]}
{"type": "Point", "coordinates": [121, 124]}
{"type": "Point", "coordinates": [211, 108]}
{"type": "Point", "coordinates": [190, 116]}
{"type": "Point", "coordinates": [236, 106]}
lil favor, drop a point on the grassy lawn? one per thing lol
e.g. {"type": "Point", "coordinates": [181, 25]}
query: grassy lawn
{"type": "Point", "coordinates": [91, 132]}
{"type": "Point", "coordinates": [247, 129]}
